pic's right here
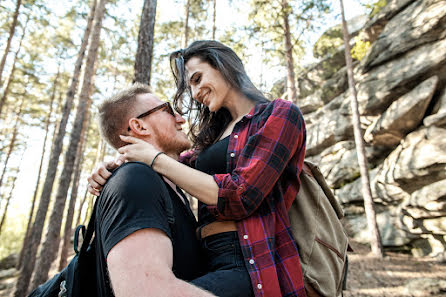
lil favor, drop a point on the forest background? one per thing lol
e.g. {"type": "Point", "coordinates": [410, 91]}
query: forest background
{"type": "Point", "coordinates": [36, 71]}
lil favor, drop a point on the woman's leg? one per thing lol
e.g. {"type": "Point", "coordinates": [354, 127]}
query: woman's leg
{"type": "Point", "coordinates": [227, 276]}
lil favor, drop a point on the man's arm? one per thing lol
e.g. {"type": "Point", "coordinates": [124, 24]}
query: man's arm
{"type": "Point", "coordinates": [141, 265]}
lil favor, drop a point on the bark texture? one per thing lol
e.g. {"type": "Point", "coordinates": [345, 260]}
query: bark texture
{"type": "Point", "coordinates": [51, 244]}
{"type": "Point", "coordinates": [144, 54]}
{"type": "Point", "coordinates": [375, 238]}
{"type": "Point", "coordinates": [11, 74]}
{"type": "Point", "coordinates": [15, 131]}
{"type": "Point", "coordinates": [291, 77]}
{"type": "Point", "coordinates": [68, 229]}
{"type": "Point", "coordinates": [36, 189]}
{"type": "Point", "coordinates": [30, 251]}
{"type": "Point", "coordinates": [11, 35]}
{"type": "Point", "coordinates": [186, 24]}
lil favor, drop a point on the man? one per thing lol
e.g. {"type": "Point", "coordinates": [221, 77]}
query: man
{"type": "Point", "coordinates": [145, 229]}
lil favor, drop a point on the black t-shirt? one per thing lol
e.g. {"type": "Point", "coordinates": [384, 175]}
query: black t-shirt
{"type": "Point", "coordinates": [211, 160]}
{"type": "Point", "coordinates": [135, 198]}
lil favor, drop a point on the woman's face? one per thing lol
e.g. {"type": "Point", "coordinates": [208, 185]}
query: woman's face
{"type": "Point", "coordinates": [207, 84]}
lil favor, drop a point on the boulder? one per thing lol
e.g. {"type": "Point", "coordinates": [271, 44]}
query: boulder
{"type": "Point", "coordinates": [314, 75]}
{"type": "Point", "coordinates": [351, 192]}
{"type": "Point", "coordinates": [328, 125]}
{"type": "Point", "coordinates": [378, 88]}
{"type": "Point", "coordinates": [431, 199]}
{"type": "Point", "coordinates": [424, 287]}
{"type": "Point", "coordinates": [9, 261]}
{"type": "Point", "coordinates": [310, 103]}
{"type": "Point", "coordinates": [329, 90]}
{"type": "Point", "coordinates": [420, 23]}
{"type": "Point", "coordinates": [377, 23]}
{"type": "Point", "coordinates": [388, 225]}
{"type": "Point", "coordinates": [438, 118]}
{"type": "Point", "coordinates": [339, 163]}
{"type": "Point", "coordinates": [418, 161]}
{"type": "Point", "coordinates": [429, 245]}
{"type": "Point", "coordinates": [332, 39]}
{"type": "Point", "coordinates": [402, 116]}
{"type": "Point", "coordinates": [434, 226]}
{"type": "Point", "coordinates": [8, 273]}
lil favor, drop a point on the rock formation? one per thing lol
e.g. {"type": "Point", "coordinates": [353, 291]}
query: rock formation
{"type": "Point", "coordinates": [401, 85]}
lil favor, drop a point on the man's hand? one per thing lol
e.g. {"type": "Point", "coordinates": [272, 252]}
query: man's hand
{"type": "Point", "coordinates": [100, 175]}
{"type": "Point", "coordinates": [141, 265]}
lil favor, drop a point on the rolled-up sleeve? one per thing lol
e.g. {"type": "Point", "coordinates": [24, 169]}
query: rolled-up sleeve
{"type": "Point", "coordinates": [262, 158]}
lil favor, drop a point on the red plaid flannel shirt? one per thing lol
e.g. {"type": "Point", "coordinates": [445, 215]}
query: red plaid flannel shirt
{"type": "Point", "coordinates": [265, 156]}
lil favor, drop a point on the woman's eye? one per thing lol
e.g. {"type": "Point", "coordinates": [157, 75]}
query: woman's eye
{"type": "Point", "coordinates": [197, 79]}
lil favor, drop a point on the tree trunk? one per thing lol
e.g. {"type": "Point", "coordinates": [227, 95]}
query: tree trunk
{"type": "Point", "coordinates": [14, 179]}
{"type": "Point", "coordinates": [144, 54]}
{"type": "Point", "coordinates": [11, 74]}
{"type": "Point", "coordinates": [36, 189]}
{"type": "Point", "coordinates": [68, 230]}
{"type": "Point", "coordinates": [30, 252]}
{"type": "Point", "coordinates": [291, 80]}
{"type": "Point", "coordinates": [15, 131]}
{"type": "Point", "coordinates": [214, 16]}
{"type": "Point", "coordinates": [51, 244]}
{"type": "Point", "coordinates": [7, 204]}
{"type": "Point", "coordinates": [11, 35]}
{"type": "Point", "coordinates": [375, 239]}
{"type": "Point", "coordinates": [100, 152]}
{"type": "Point", "coordinates": [186, 24]}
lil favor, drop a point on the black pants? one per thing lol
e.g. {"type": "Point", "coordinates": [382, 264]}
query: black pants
{"type": "Point", "coordinates": [227, 276]}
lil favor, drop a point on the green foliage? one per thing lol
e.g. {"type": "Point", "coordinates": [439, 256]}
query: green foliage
{"type": "Point", "coordinates": [267, 26]}
{"type": "Point", "coordinates": [360, 49]}
{"type": "Point", "coordinates": [376, 7]}
{"type": "Point", "coordinates": [12, 235]}
{"type": "Point", "coordinates": [329, 42]}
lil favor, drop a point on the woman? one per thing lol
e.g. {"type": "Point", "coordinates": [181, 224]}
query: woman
{"type": "Point", "coordinates": [249, 153]}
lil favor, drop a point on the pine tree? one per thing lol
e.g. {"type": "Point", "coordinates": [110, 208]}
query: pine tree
{"type": "Point", "coordinates": [11, 35]}
{"type": "Point", "coordinates": [375, 238]}
{"type": "Point", "coordinates": [30, 251]}
{"type": "Point", "coordinates": [50, 245]}
{"type": "Point", "coordinates": [144, 54]}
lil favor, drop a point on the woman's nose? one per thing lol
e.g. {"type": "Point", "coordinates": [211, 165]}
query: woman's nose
{"type": "Point", "coordinates": [194, 90]}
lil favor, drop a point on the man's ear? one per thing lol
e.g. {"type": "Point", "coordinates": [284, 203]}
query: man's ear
{"type": "Point", "coordinates": [139, 127]}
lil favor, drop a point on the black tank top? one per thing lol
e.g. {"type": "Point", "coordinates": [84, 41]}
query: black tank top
{"type": "Point", "coordinates": [212, 161]}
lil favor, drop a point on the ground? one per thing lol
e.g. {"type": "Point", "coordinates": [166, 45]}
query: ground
{"type": "Point", "coordinates": [395, 275]}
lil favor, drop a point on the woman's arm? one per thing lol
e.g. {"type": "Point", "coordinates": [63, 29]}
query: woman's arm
{"type": "Point", "coordinates": [200, 185]}
{"type": "Point", "coordinates": [260, 163]}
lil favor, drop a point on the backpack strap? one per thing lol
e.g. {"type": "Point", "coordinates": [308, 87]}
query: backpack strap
{"type": "Point", "coordinates": [90, 229]}
{"type": "Point", "coordinates": [80, 228]}
{"type": "Point", "coordinates": [317, 174]}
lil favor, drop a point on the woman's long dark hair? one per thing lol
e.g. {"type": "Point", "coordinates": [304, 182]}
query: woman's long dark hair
{"type": "Point", "coordinates": [206, 126]}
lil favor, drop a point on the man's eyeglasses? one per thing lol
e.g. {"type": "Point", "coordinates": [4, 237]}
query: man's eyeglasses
{"type": "Point", "coordinates": [166, 106]}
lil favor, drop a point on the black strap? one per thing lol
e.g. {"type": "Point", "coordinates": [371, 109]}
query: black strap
{"type": "Point", "coordinates": [76, 237]}
{"type": "Point", "coordinates": [90, 230]}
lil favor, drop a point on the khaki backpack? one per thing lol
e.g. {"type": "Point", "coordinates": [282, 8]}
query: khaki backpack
{"type": "Point", "coordinates": [320, 236]}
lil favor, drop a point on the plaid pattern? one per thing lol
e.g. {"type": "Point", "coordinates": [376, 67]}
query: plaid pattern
{"type": "Point", "coordinates": [265, 156]}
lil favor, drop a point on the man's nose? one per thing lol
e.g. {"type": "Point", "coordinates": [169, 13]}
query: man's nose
{"type": "Point", "coordinates": [179, 119]}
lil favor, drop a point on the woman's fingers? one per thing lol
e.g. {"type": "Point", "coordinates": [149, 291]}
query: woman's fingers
{"type": "Point", "coordinates": [92, 190]}
{"type": "Point", "coordinates": [129, 139]}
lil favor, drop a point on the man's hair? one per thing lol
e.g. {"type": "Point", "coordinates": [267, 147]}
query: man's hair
{"type": "Point", "coordinates": [115, 112]}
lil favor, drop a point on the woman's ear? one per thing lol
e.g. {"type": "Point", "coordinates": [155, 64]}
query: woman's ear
{"type": "Point", "coordinates": [139, 127]}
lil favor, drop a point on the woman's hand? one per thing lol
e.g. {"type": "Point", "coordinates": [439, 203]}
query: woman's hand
{"type": "Point", "coordinates": [100, 175]}
{"type": "Point", "coordinates": [137, 150]}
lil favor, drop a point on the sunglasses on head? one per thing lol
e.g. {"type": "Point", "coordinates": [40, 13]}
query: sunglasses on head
{"type": "Point", "coordinates": [165, 105]}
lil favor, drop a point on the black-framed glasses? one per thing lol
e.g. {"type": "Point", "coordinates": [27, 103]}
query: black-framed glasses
{"type": "Point", "coordinates": [165, 105]}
